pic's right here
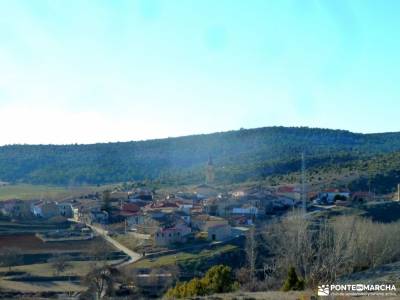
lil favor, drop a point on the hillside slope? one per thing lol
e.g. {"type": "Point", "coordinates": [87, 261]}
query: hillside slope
{"type": "Point", "coordinates": [238, 155]}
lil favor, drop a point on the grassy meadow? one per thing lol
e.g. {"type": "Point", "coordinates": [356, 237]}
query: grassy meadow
{"type": "Point", "coordinates": [75, 268]}
{"type": "Point", "coordinates": [182, 257]}
{"type": "Point", "coordinates": [46, 192]}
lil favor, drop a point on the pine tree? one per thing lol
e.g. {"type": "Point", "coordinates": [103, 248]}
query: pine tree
{"type": "Point", "coordinates": [293, 283]}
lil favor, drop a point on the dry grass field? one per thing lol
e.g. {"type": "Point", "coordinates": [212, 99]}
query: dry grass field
{"type": "Point", "coordinates": [75, 268]}
{"type": "Point", "coordinates": [47, 192]}
{"type": "Point", "coordinates": [171, 259]}
{"type": "Point", "coordinates": [34, 287]}
{"type": "Point", "coordinates": [32, 244]}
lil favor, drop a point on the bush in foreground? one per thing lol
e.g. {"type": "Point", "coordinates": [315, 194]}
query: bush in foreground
{"type": "Point", "coordinates": [218, 279]}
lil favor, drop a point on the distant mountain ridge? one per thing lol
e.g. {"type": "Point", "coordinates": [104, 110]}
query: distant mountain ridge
{"type": "Point", "coordinates": [238, 155]}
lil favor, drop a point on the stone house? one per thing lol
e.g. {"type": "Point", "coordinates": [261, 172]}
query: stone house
{"type": "Point", "coordinates": [172, 235]}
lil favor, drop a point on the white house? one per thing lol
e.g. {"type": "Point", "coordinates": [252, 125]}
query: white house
{"type": "Point", "coordinates": [45, 209]}
{"type": "Point", "coordinates": [249, 210]}
{"type": "Point", "coordinates": [185, 208]}
{"type": "Point", "coordinates": [218, 232]}
{"type": "Point", "coordinates": [331, 195]}
{"type": "Point", "coordinates": [66, 210]}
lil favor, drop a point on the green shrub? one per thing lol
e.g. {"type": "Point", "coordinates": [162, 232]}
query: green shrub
{"type": "Point", "coordinates": [292, 282]}
{"type": "Point", "coordinates": [218, 279]}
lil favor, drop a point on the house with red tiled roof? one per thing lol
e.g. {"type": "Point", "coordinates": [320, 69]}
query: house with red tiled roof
{"type": "Point", "coordinates": [241, 220]}
{"type": "Point", "coordinates": [129, 209]}
{"type": "Point", "coordinates": [132, 214]}
{"type": "Point", "coordinates": [292, 192]}
{"type": "Point", "coordinates": [161, 207]}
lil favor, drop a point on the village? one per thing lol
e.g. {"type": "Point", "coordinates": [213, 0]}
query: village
{"type": "Point", "coordinates": [154, 236]}
{"type": "Point", "coordinates": [157, 221]}
{"type": "Point", "coordinates": [148, 232]}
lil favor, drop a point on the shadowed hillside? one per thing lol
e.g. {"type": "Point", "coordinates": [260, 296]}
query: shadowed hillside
{"type": "Point", "coordinates": [237, 155]}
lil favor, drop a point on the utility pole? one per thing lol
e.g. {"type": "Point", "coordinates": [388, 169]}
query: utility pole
{"type": "Point", "coordinates": [398, 192]}
{"type": "Point", "coordinates": [303, 182]}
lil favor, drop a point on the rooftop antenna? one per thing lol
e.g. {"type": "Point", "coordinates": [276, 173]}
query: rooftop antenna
{"type": "Point", "coordinates": [303, 182]}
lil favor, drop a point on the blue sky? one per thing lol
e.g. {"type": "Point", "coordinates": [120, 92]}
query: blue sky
{"type": "Point", "coordinates": [96, 71]}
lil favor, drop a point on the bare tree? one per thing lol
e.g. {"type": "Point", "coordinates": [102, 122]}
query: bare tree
{"type": "Point", "coordinates": [290, 242]}
{"type": "Point", "coordinates": [60, 263]}
{"type": "Point", "coordinates": [100, 281]}
{"type": "Point", "coordinates": [323, 249]}
{"type": "Point", "coordinates": [251, 254]}
{"type": "Point", "coordinates": [374, 243]}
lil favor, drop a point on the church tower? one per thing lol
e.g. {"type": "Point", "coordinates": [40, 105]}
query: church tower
{"type": "Point", "coordinates": [210, 171]}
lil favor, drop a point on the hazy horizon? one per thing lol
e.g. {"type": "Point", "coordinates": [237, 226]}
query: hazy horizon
{"type": "Point", "coordinates": [94, 72]}
{"type": "Point", "coordinates": [194, 134]}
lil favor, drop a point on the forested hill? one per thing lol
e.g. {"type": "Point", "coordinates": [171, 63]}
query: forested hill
{"type": "Point", "coordinates": [237, 155]}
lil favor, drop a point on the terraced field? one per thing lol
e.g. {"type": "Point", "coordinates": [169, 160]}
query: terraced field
{"type": "Point", "coordinates": [35, 272]}
{"type": "Point", "coordinates": [47, 192]}
{"type": "Point", "coordinates": [29, 243]}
